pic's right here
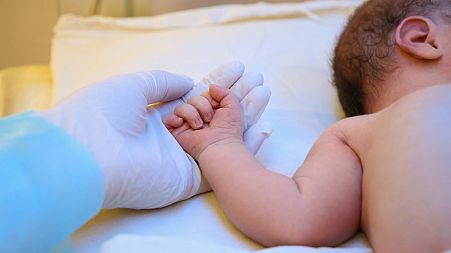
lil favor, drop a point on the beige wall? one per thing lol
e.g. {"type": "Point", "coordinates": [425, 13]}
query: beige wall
{"type": "Point", "coordinates": [25, 31]}
{"type": "Point", "coordinates": [155, 7]}
{"type": "Point", "coordinates": [26, 28]}
{"type": "Point", "coordinates": [159, 6]}
{"type": "Point", "coordinates": [26, 25]}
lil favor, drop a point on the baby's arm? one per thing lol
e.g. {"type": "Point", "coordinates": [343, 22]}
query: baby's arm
{"type": "Point", "coordinates": [319, 206]}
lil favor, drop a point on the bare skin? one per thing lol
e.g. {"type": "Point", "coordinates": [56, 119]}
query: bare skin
{"type": "Point", "coordinates": [388, 172]}
{"type": "Point", "coordinates": [398, 200]}
{"type": "Point", "coordinates": [406, 159]}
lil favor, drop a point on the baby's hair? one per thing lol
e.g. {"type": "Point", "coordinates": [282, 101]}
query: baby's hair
{"type": "Point", "coordinates": [364, 52]}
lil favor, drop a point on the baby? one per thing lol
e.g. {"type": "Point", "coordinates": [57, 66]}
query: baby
{"type": "Point", "coordinates": [387, 171]}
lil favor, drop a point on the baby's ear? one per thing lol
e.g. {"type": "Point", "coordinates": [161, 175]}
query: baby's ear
{"type": "Point", "coordinates": [417, 37]}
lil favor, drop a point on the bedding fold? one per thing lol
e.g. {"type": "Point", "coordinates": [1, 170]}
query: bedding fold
{"type": "Point", "coordinates": [223, 14]}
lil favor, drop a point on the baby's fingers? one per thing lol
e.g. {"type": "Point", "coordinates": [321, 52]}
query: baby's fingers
{"type": "Point", "coordinates": [203, 106]}
{"type": "Point", "coordinates": [180, 130]}
{"type": "Point", "coordinates": [172, 121]}
{"type": "Point", "coordinates": [218, 93]}
{"type": "Point", "coordinates": [189, 114]}
{"type": "Point", "coordinates": [224, 97]}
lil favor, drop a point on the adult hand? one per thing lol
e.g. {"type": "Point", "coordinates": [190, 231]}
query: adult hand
{"type": "Point", "coordinates": [250, 92]}
{"type": "Point", "coordinates": [142, 165]}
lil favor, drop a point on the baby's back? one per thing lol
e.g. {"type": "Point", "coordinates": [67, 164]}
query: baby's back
{"type": "Point", "coordinates": [405, 152]}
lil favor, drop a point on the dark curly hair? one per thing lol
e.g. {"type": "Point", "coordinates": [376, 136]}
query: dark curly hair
{"type": "Point", "coordinates": [364, 52]}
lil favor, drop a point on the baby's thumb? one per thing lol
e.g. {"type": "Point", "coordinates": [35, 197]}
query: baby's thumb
{"type": "Point", "coordinates": [256, 135]}
{"type": "Point", "coordinates": [218, 93]}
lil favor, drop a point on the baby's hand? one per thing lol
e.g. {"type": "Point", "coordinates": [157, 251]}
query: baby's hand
{"type": "Point", "coordinates": [214, 118]}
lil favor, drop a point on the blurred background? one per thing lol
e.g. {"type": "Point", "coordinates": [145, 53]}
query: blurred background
{"type": "Point", "coordinates": [26, 25]}
{"type": "Point", "coordinates": [26, 31]}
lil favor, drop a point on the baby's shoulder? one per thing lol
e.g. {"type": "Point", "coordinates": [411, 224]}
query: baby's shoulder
{"type": "Point", "coordinates": [349, 127]}
{"type": "Point", "coordinates": [354, 131]}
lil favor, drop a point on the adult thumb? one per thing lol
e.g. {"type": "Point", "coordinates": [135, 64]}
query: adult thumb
{"type": "Point", "coordinates": [162, 86]}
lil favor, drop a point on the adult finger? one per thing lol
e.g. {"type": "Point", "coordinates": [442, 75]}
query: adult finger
{"type": "Point", "coordinates": [225, 75]}
{"type": "Point", "coordinates": [255, 135]}
{"type": "Point", "coordinates": [254, 103]}
{"type": "Point", "coordinates": [162, 86]}
{"type": "Point", "coordinates": [246, 83]}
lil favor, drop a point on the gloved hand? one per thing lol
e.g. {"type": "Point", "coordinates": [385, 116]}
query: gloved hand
{"type": "Point", "coordinates": [142, 164]}
{"type": "Point", "coordinates": [248, 88]}
{"type": "Point", "coordinates": [253, 97]}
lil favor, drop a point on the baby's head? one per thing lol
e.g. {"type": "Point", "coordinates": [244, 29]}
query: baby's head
{"type": "Point", "coordinates": [389, 49]}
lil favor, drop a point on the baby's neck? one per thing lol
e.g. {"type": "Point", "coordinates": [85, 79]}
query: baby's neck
{"type": "Point", "coordinates": [396, 87]}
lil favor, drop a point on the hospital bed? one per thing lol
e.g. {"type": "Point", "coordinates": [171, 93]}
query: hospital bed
{"type": "Point", "coordinates": [290, 43]}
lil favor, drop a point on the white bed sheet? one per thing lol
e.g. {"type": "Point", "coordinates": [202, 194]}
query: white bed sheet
{"type": "Point", "coordinates": [198, 225]}
{"type": "Point", "coordinates": [199, 220]}
{"type": "Point", "coordinates": [289, 43]}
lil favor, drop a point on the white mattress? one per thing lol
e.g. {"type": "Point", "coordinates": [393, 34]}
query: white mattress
{"type": "Point", "coordinates": [289, 43]}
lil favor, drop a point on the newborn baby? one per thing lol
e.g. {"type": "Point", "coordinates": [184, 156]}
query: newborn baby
{"type": "Point", "coordinates": [402, 152]}
{"type": "Point", "coordinates": [386, 172]}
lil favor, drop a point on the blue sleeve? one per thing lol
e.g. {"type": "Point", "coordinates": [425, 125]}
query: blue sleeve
{"type": "Point", "coordinates": [49, 184]}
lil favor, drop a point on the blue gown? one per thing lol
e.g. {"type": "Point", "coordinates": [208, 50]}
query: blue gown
{"type": "Point", "coordinates": [49, 185]}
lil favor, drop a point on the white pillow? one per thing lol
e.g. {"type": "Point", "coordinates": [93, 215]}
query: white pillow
{"type": "Point", "coordinates": [290, 44]}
